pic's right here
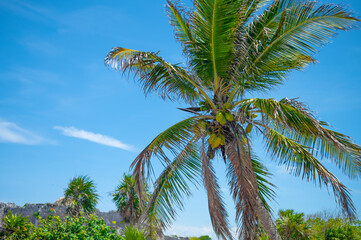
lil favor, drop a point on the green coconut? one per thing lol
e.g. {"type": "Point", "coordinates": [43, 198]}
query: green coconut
{"type": "Point", "coordinates": [229, 116]}
{"type": "Point", "coordinates": [249, 128]}
{"type": "Point", "coordinates": [216, 142]}
{"type": "Point", "coordinates": [212, 138]}
{"type": "Point", "coordinates": [220, 118]}
{"type": "Point", "coordinates": [227, 105]}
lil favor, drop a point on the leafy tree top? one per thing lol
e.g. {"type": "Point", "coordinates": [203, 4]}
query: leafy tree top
{"type": "Point", "coordinates": [81, 196]}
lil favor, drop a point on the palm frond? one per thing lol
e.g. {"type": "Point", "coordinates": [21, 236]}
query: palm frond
{"type": "Point", "coordinates": [265, 188]}
{"type": "Point", "coordinates": [216, 206]}
{"type": "Point", "coordinates": [306, 28]}
{"type": "Point", "coordinates": [248, 8]}
{"type": "Point", "coordinates": [172, 187]}
{"type": "Point", "coordinates": [174, 139]}
{"type": "Point", "coordinates": [179, 20]}
{"type": "Point", "coordinates": [296, 121]}
{"type": "Point", "coordinates": [250, 41]}
{"type": "Point", "coordinates": [215, 24]}
{"type": "Point", "coordinates": [243, 184]}
{"type": "Point", "coordinates": [288, 30]}
{"type": "Point", "coordinates": [300, 162]}
{"type": "Point", "coordinates": [154, 74]}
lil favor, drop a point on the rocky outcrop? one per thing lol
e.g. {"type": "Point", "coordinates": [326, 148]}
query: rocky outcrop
{"type": "Point", "coordinates": [44, 210]}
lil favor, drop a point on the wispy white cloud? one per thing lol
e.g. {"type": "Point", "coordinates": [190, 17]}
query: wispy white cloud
{"type": "Point", "coordinates": [12, 133]}
{"type": "Point", "coordinates": [94, 137]}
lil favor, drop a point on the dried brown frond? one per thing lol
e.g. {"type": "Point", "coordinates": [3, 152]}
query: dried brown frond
{"type": "Point", "coordinates": [242, 181]}
{"type": "Point", "coordinates": [216, 206]}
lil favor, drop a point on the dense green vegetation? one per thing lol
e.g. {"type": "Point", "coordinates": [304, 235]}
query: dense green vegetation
{"type": "Point", "coordinates": [335, 229]}
{"type": "Point", "coordinates": [295, 226]}
{"type": "Point", "coordinates": [53, 228]}
{"type": "Point", "coordinates": [80, 199]}
{"type": "Point", "coordinates": [16, 226]}
{"type": "Point", "coordinates": [235, 50]}
{"type": "Point", "coordinates": [290, 224]}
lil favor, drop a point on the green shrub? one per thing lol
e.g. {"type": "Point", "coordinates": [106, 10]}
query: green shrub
{"type": "Point", "coordinates": [335, 229]}
{"type": "Point", "coordinates": [16, 226]}
{"type": "Point", "coordinates": [133, 233]}
{"type": "Point", "coordinates": [73, 228]}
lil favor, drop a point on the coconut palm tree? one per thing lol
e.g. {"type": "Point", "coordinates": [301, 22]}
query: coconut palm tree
{"type": "Point", "coordinates": [236, 48]}
{"type": "Point", "coordinates": [126, 200]}
{"type": "Point", "coordinates": [80, 196]}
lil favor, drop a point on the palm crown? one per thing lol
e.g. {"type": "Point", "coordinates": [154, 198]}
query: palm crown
{"type": "Point", "coordinates": [80, 196]}
{"type": "Point", "coordinates": [293, 226]}
{"type": "Point", "coordinates": [126, 199]}
{"type": "Point", "coordinates": [232, 51]}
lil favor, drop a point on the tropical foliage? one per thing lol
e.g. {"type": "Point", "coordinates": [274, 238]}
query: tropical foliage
{"type": "Point", "coordinates": [235, 49]}
{"type": "Point", "coordinates": [335, 228]}
{"type": "Point", "coordinates": [126, 200]}
{"type": "Point", "coordinates": [133, 233]}
{"type": "Point", "coordinates": [16, 226]}
{"type": "Point", "coordinates": [80, 196]}
{"type": "Point", "coordinates": [71, 228]}
{"type": "Point", "coordinates": [292, 225]}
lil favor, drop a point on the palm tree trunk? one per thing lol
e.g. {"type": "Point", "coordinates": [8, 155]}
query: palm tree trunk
{"type": "Point", "coordinates": [266, 220]}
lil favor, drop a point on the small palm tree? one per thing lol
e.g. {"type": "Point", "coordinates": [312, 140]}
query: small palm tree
{"type": "Point", "coordinates": [292, 225]}
{"type": "Point", "coordinates": [126, 200]}
{"type": "Point", "coordinates": [80, 196]}
{"type": "Point", "coordinates": [236, 48]}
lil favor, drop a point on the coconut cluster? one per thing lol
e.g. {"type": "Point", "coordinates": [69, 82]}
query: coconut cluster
{"type": "Point", "coordinates": [215, 128]}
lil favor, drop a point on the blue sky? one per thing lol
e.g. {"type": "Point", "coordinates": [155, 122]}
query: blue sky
{"type": "Point", "coordinates": [63, 113]}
